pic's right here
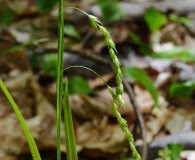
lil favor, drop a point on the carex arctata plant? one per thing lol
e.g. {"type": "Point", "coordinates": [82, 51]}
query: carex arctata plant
{"type": "Point", "coordinates": [116, 93]}
{"type": "Point", "coordinates": [69, 132]}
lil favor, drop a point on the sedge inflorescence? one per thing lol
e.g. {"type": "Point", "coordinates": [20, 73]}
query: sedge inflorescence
{"type": "Point", "coordinates": [116, 93]}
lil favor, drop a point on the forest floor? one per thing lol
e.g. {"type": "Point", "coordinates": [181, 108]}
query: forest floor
{"type": "Point", "coordinates": [166, 102]}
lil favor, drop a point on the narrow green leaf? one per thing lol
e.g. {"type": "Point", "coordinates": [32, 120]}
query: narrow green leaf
{"type": "Point", "coordinates": [6, 16]}
{"type": "Point", "coordinates": [59, 81]}
{"type": "Point", "coordinates": [71, 31]}
{"type": "Point", "coordinates": [154, 19]}
{"type": "Point", "coordinates": [137, 74]}
{"type": "Point", "coordinates": [45, 5]}
{"type": "Point", "coordinates": [183, 90]}
{"type": "Point", "coordinates": [79, 85]}
{"type": "Point", "coordinates": [111, 10]}
{"type": "Point", "coordinates": [33, 148]}
{"type": "Point", "coordinates": [143, 47]}
{"type": "Point", "coordinates": [71, 151]}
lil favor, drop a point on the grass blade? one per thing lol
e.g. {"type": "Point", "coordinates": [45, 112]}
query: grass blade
{"type": "Point", "coordinates": [69, 129]}
{"type": "Point", "coordinates": [59, 83]}
{"type": "Point", "coordinates": [33, 148]}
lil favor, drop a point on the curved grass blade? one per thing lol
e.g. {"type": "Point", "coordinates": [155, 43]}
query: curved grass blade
{"type": "Point", "coordinates": [69, 129]}
{"type": "Point", "coordinates": [33, 148]}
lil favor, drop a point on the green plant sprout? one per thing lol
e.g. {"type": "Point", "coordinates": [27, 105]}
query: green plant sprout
{"type": "Point", "coordinates": [170, 152]}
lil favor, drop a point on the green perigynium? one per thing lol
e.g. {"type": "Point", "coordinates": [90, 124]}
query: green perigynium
{"type": "Point", "coordinates": [104, 31]}
{"type": "Point", "coordinates": [94, 21]}
{"type": "Point", "coordinates": [110, 43]}
{"type": "Point", "coordinates": [117, 93]}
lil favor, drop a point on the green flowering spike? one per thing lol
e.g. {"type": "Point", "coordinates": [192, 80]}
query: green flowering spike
{"type": "Point", "coordinates": [125, 129]}
{"type": "Point", "coordinates": [94, 25]}
{"type": "Point", "coordinates": [128, 135]}
{"type": "Point", "coordinates": [115, 69]}
{"type": "Point", "coordinates": [116, 94]}
{"type": "Point", "coordinates": [123, 124]}
{"type": "Point", "coordinates": [120, 100]}
{"type": "Point", "coordinates": [112, 53]}
{"type": "Point", "coordinates": [112, 92]}
{"type": "Point", "coordinates": [118, 79]}
{"type": "Point", "coordinates": [94, 21]}
{"type": "Point", "coordinates": [117, 64]}
{"type": "Point", "coordinates": [119, 90]}
{"type": "Point", "coordinates": [104, 31]}
{"type": "Point", "coordinates": [110, 43]}
{"type": "Point", "coordinates": [114, 108]}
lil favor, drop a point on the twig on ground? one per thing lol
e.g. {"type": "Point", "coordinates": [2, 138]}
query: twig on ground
{"type": "Point", "coordinates": [130, 93]}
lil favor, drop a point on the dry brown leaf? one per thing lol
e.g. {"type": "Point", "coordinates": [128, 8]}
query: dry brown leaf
{"type": "Point", "coordinates": [98, 82]}
{"type": "Point", "coordinates": [99, 134]}
{"type": "Point", "coordinates": [105, 97]}
{"type": "Point", "coordinates": [144, 99]}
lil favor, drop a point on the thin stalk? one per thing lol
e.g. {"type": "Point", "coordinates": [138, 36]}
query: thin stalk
{"type": "Point", "coordinates": [59, 84]}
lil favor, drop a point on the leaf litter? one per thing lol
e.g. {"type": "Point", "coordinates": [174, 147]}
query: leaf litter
{"type": "Point", "coordinates": [95, 126]}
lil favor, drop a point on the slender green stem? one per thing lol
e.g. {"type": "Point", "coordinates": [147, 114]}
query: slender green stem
{"type": "Point", "coordinates": [89, 69]}
{"type": "Point", "coordinates": [59, 84]}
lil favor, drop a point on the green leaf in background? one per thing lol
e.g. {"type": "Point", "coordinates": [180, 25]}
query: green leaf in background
{"type": "Point", "coordinates": [49, 63]}
{"type": "Point", "coordinates": [111, 10]}
{"type": "Point", "coordinates": [176, 52]}
{"type": "Point", "coordinates": [78, 85]}
{"type": "Point", "coordinates": [144, 48]}
{"type": "Point", "coordinates": [154, 19]}
{"type": "Point", "coordinates": [137, 74]}
{"type": "Point", "coordinates": [183, 20]}
{"type": "Point", "coordinates": [164, 154]}
{"type": "Point", "coordinates": [175, 151]}
{"type": "Point", "coordinates": [183, 90]}
{"type": "Point", "coordinates": [6, 16]}
{"type": "Point", "coordinates": [71, 151]}
{"type": "Point", "coordinates": [71, 31]}
{"type": "Point", "coordinates": [45, 5]}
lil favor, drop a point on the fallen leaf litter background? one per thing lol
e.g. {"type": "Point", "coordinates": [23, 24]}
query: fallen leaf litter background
{"type": "Point", "coordinates": [32, 35]}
